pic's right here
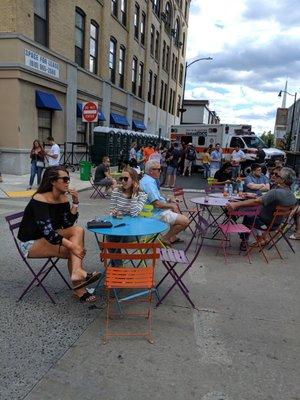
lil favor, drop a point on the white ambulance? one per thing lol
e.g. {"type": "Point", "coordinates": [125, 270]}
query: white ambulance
{"type": "Point", "coordinates": [228, 135]}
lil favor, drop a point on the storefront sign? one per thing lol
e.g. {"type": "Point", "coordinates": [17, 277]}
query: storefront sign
{"type": "Point", "coordinates": [40, 63]}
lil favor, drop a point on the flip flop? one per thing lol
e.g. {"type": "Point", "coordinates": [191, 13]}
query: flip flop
{"type": "Point", "coordinates": [90, 278]}
{"type": "Point", "coordinates": [177, 240]}
{"type": "Point", "coordinates": [294, 237]}
{"type": "Point", "coordinates": [87, 298]}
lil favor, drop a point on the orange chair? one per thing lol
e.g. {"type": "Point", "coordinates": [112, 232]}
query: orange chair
{"type": "Point", "coordinates": [140, 276]}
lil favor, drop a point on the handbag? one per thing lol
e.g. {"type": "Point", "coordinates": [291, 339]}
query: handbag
{"type": "Point", "coordinates": [40, 164]}
{"type": "Point", "coordinates": [99, 224]}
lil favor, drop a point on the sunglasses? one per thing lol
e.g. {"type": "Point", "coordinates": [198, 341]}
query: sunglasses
{"type": "Point", "coordinates": [156, 169]}
{"type": "Point", "coordinates": [123, 178]}
{"type": "Point", "coordinates": [66, 179]}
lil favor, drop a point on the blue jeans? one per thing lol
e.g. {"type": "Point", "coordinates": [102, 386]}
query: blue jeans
{"type": "Point", "coordinates": [35, 171]}
{"type": "Point", "coordinates": [206, 168]}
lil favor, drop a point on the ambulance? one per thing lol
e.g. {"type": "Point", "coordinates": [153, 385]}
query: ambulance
{"type": "Point", "coordinates": [228, 135]}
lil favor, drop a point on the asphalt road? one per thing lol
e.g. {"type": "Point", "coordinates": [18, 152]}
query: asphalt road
{"type": "Point", "coordinates": [240, 343]}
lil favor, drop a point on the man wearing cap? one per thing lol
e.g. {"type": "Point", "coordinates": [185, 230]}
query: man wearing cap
{"type": "Point", "coordinates": [190, 157]}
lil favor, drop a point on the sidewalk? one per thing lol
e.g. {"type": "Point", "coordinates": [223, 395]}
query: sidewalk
{"type": "Point", "coordinates": [16, 185]}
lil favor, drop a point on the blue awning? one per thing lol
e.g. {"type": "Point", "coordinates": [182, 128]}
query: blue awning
{"type": "Point", "coordinates": [101, 116]}
{"type": "Point", "coordinates": [118, 119]}
{"type": "Point", "coordinates": [79, 110]}
{"type": "Point", "coordinates": [47, 101]}
{"type": "Point", "coordinates": [138, 124]}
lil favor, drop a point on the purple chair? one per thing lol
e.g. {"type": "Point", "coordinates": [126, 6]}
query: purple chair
{"type": "Point", "coordinates": [14, 222]}
{"type": "Point", "coordinates": [172, 258]}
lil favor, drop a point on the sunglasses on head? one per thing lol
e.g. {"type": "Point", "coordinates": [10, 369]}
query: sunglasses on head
{"type": "Point", "coordinates": [66, 179]}
{"type": "Point", "coordinates": [123, 178]}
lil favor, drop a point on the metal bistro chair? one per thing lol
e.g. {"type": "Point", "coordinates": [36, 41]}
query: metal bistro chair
{"type": "Point", "coordinates": [117, 278]}
{"type": "Point", "coordinates": [191, 213]}
{"type": "Point", "coordinates": [172, 259]}
{"type": "Point", "coordinates": [97, 190]}
{"type": "Point", "coordinates": [276, 230]}
{"type": "Point", "coordinates": [14, 222]}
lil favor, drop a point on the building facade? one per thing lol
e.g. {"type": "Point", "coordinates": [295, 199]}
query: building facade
{"type": "Point", "coordinates": [198, 112]}
{"type": "Point", "coordinates": [128, 55]}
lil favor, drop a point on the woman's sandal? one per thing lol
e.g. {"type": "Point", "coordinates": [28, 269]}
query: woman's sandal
{"type": "Point", "coordinates": [90, 278]}
{"type": "Point", "coordinates": [87, 298]}
{"type": "Point", "coordinates": [294, 236]}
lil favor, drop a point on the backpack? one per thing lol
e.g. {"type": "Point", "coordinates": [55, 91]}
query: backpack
{"type": "Point", "coordinates": [191, 154]}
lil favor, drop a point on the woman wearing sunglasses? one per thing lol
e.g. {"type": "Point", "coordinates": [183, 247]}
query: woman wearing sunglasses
{"type": "Point", "coordinates": [47, 228]}
{"type": "Point", "coordinates": [128, 199]}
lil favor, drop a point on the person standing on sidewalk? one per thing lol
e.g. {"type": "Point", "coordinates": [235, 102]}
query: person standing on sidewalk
{"type": "Point", "coordinates": [37, 155]}
{"type": "Point", "coordinates": [237, 157]}
{"type": "Point", "coordinates": [190, 157]}
{"type": "Point", "coordinates": [54, 153]}
{"type": "Point", "coordinates": [215, 160]}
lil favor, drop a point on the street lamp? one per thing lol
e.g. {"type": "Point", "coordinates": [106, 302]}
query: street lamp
{"type": "Point", "coordinates": [289, 136]}
{"type": "Point", "coordinates": [182, 110]}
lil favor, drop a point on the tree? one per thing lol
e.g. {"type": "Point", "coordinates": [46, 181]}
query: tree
{"type": "Point", "coordinates": [268, 138]}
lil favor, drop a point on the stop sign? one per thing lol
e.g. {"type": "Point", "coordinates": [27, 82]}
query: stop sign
{"type": "Point", "coordinates": [90, 111]}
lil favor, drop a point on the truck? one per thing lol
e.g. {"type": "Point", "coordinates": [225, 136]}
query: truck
{"type": "Point", "coordinates": [229, 136]}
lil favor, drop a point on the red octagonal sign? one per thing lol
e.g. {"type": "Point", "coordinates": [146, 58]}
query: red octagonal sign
{"type": "Point", "coordinates": [90, 111]}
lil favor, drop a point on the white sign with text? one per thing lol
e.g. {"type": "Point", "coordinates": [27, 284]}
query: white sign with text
{"type": "Point", "coordinates": [41, 63]}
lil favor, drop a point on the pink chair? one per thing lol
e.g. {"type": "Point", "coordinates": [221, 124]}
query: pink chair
{"type": "Point", "coordinates": [231, 226]}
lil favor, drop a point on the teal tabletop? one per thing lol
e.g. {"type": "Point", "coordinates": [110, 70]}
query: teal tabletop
{"type": "Point", "coordinates": [134, 226]}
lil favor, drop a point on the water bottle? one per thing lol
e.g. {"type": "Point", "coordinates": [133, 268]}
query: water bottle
{"type": "Point", "coordinates": [225, 193]}
{"type": "Point", "coordinates": [230, 190]}
{"type": "Point", "coordinates": [241, 188]}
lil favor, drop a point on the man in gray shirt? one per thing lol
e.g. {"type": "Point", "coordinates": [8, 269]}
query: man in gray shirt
{"type": "Point", "coordinates": [280, 196]}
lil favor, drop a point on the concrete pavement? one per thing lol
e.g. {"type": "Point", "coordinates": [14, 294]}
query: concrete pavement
{"type": "Point", "coordinates": [241, 343]}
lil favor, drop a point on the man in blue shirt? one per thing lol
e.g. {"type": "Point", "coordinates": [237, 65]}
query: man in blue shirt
{"type": "Point", "coordinates": [256, 182]}
{"type": "Point", "coordinates": [215, 160]}
{"type": "Point", "coordinates": [165, 210]}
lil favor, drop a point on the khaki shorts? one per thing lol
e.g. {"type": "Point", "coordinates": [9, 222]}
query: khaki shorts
{"type": "Point", "coordinates": [168, 216]}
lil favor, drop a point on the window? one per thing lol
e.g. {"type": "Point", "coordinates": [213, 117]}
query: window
{"type": "Point", "coordinates": [168, 19]}
{"type": "Point", "coordinates": [186, 9]}
{"type": "Point", "coordinates": [181, 74]}
{"type": "Point", "coordinates": [201, 141]}
{"type": "Point", "coordinates": [177, 32]}
{"type": "Point", "coordinates": [79, 37]}
{"type": "Point", "coordinates": [150, 85]}
{"type": "Point", "coordinates": [143, 25]}
{"type": "Point", "coordinates": [44, 124]}
{"type": "Point", "coordinates": [122, 66]}
{"type": "Point", "coordinates": [156, 6]}
{"type": "Point", "coordinates": [161, 94]}
{"type": "Point", "coordinates": [172, 65]}
{"type": "Point", "coordinates": [157, 45]}
{"type": "Point", "coordinates": [183, 44]}
{"type": "Point", "coordinates": [81, 130]}
{"type": "Point", "coordinates": [114, 7]}
{"type": "Point", "coordinates": [152, 38]}
{"type": "Point", "coordinates": [154, 89]}
{"type": "Point", "coordinates": [165, 97]}
{"type": "Point", "coordinates": [112, 59]}
{"type": "Point", "coordinates": [134, 74]}
{"type": "Point", "coordinates": [176, 68]}
{"type": "Point", "coordinates": [123, 11]}
{"type": "Point", "coordinates": [141, 77]}
{"type": "Point", "coordinates": [167, 66]}
{"type": "Point", "coordinates": [164, 54]}
{"type": "Point", "coordinates": [178, 105]}
{"type": "Point", "coordinates": [173, 103]}
{"type": "Point", "coordinates": [170, 101]}
{"type": "Point", "coordinates": [136, 21]}
{"type": "Point", "coordinates": [41, 22]}
{"type": "Point", "coordinates": [93, 47]}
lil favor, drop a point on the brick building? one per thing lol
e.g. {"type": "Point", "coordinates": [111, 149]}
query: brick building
{"type": "Point", "coordinates": [128, 55]}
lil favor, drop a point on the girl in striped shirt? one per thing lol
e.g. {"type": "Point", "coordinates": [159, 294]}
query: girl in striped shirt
{"type": "Point", "coordinates": [128, 199]}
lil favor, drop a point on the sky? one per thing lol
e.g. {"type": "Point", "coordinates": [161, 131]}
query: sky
{"type": "Point", "coordinates": [255, 45]}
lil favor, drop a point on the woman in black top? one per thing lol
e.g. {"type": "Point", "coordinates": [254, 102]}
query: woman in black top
{"type": "Point", "coordinates": [224, 174]}
{"type": "Point", "coordinates": [47, 228]}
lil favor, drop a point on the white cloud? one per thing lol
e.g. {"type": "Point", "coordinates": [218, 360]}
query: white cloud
{"type": "Point", "coordinates": [254, 46]}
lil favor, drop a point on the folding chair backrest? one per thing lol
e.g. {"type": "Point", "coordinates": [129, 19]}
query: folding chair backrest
{"type": "Point", "coordinates": [178, 193]}
{"type": "Point", "coordinates": [14, 222]}
{"type": "Point", "coordinates": [280, 216]}
{"type": "Point", "coordinates": [141, 252]}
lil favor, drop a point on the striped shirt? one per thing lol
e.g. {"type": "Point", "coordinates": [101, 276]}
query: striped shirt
{"type": "Point", "coordinates": [127, 206]}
